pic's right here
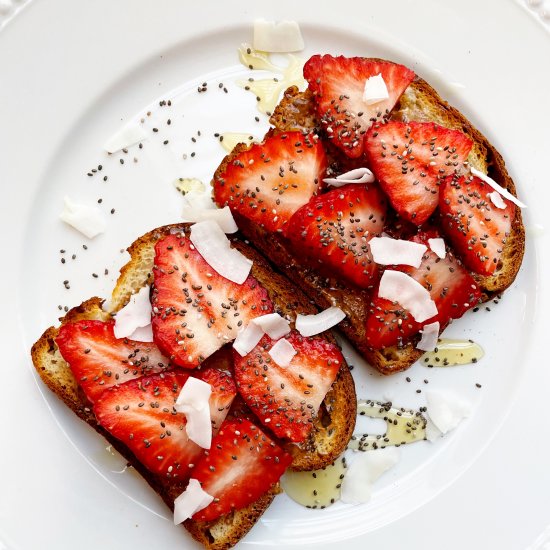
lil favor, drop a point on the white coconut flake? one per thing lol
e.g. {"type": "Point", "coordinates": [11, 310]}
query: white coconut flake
{"type": "Point", "coordinates": [143, 334]}
{"type": "Point", "coordinates": [399, 287]}
{"type": "Point", "coordinates": [193, 401]}
{"type": "Point", "coordinates": [375, 90]}
{"type": "Point", "coordinates": [273, 324]}
{"type": "Point", "coordinates": [430, 334]}
{"type": "Point", "coordinates": [504, 192]}
{"type": "Point", "coordinates": [212, 244]}
{"type": "Point", "coordinates": [200, 200]}
{"type": "Point", "coordinates": [364, 471]}
{"type": "Point", "coordinates": [277, 36]}
{"type": "Point", "coordinates": [445, 412]}
{"type": "Point", "coordinates": [432, 431]}
{"type": "Point", "coordinates": [135, 314]}
{"type": "Point", "coordinates": [496, 198]}
{"type": "Point", "coordinates": [191, 501]}
{"type": "Point", "coordinates": [223, 217]}
{"type": "Point", "coordinates": [87, 219]}
{"type": "Point", "coordinates": [310, 325]}
{"type": "Point", "coordinates": [282, 352]}
{"type": "Point", "coordinates": [388, 251]}
{"type": "Point", "coordinates": [248, 339]}
{"type": "Point", "coordinates": [358, 175]}
{"type": "Point", "coordinates": [124, 138]}
{"type": "Point", "coordinates": [437, 246]}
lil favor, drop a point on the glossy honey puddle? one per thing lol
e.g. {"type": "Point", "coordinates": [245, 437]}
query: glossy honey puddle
{"type": "Point", "coordinates": [402, 426]}
{"type": "Point", "coordinates": [317, 489]}
{"type": "Point", "coordinates": [450, 353]}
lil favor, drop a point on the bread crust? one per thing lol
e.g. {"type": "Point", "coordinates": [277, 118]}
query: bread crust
{"type": "Point", "coordinates": [331, 432]}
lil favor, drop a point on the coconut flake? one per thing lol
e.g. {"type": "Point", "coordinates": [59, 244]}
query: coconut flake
{"type": "Point", "coordinates": [193, 402]}
{"type": "Point", "coordinates": [504, 192]}
{"type": "Point", "coordinates": [375, 90]}
{"type": "Point", "coordinates": [248, 339]}
{"type": "Point", "coordinates": [438, 247]}
{"type": "Point", "coordinates": [399, 287]}
{"type": "Point", "coordinates": [358, 175]}
{"type": "Point", "coordinates": [310, 325]}
{"type": "Point", "coordinates": [388, 251]}
{"type": "Point", "coordinates": [282, 352]}
{"type": "Point", "coordinates": [199, 200]}
{"type": "Point", "coordinates": [86, 219]}
{"type": "Point", "coordinates": [277, 36]}
{"type": "Point", "coordinates": [191, 501]}
{"type": "Point", "coordinates": [214, 247]}
{"type": "Point", "coordinates": [497, 200]}
{"type": "Point", "coordinates": [445, 412]}
{"type": "Point", "coordinates": [273, 324]}
{"type": "Point", "coordinates": [135, 314]}
{"type": "Point", "coordinates": [365, 469]}
{"type": "Point", "coordinates": [430, 334]}
{"type": "Point", "coordinates": [143, 334]}
{"type": "Point", "coordinates": [126, 137]}
{"type": "Point", "coordinates": [222, 217]}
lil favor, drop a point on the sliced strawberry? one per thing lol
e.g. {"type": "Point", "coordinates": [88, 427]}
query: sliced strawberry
{"type": "Point", "coordinates": [242, 465]}
{"type": "Point", "coordinates": [267, 182]}
{"type": "Point", "coordinates": [338, 84]}
{"type": "Point", "coordinates": [411, 160]}
{"type": "Point", "coordinates": [477, 229]}
{"type": "Point", "coordinates": [195, 310]}
{"type": "Point", "coordinates": [286, 399]}
{"type": "Point", "coordinates": [333, 230]}
{"type": "Point", "coordinates": [221, 400]}
{"type": "Point", "coordinates": [451, 287]}
{"type": "Point", "coordinates": [98, 360]}
{"type": "Point", "coordinates": [141, 414]}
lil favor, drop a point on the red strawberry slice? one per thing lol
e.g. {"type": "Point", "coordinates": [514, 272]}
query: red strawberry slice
{"type": "Point", "coordinates": [141, 414]}
{"type": "Point", "coordinates": [267, 182]}
{"type": "Point", "coordinates": [334, 229]}
{"type": "Point", "coordinates": [98, 360]}
{"type": "Point", "coordinates": [195, 310]}
{"type": "Point", "coordinates": [222, 398]}
{"type": "Point", "coordinates": [452, 288]}
{"type": "Point", "coordinates": [338, 84]}
{"type": "Point", "coordinates": [242, 465]}
{"type": "Point", "coordinates": [286, 399]}
{"type": "Point", "coordinates": [411, 160]}
{"type": "Point", "coordinates": [477, 229]}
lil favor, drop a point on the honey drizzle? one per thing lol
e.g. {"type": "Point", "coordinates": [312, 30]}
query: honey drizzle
{"type": "Point", "coordinates": [316, 489]}
{"type": "Point", "coordinates": [268, 90]}
{"type": "Point", "coordinates": [402, 426]}
{"type": "Point", "coordinates": [450, 352]}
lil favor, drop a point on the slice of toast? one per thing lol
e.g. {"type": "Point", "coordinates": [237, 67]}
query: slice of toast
{"type": "Point", "coordinates": [332, 429]}
{"type": "Point", "coordinates": [420, 102]}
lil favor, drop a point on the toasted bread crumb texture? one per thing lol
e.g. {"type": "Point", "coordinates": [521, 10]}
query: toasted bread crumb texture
{"type": "Point", "coordinates": [138, 272]}
{"type": "Point", "coordinates": [230, 529]}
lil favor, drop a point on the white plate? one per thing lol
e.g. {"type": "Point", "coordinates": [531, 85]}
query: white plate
{"type": "Point", "coordinates": [71, 76]}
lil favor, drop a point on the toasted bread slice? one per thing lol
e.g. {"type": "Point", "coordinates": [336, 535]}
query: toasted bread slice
{"type": "Point", "coordinates": [420, 102]}
{"type": "Point", "coordinates": [332, 429]}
